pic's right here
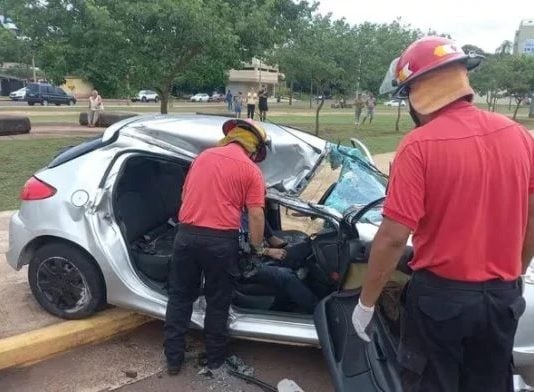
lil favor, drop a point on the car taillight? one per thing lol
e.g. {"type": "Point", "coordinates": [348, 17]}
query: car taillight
{"type": "Point", "coordinates": [35, 189]}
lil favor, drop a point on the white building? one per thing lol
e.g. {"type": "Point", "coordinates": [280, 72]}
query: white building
{"type": "Point", "coordinates": [252, 76]}
{"type": "Point", "coordinates": [524, 38]}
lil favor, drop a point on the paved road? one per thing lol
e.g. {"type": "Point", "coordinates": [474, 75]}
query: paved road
{"type": "Point", "coordinates": [105, 366]}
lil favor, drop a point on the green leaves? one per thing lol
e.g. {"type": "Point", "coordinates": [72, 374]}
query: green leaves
{"type": "Point", "coordinates": [124, 45]}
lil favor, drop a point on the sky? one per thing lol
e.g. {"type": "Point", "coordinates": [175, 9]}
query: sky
{"type": "Point", "coordinates": [475, 22]}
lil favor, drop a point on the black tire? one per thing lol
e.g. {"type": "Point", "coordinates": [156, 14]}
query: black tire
{"type": "Point", "coordinates": [31, 103]}
{"type": "Point", "coordinates": [156, 100]}
{"type": "Point", "coordinates": [66, 281]}
{"type": "Point", "coordinates": [143, 99]}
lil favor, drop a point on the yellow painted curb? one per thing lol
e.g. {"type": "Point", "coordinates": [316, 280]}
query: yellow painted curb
{"type": "Point", "coordinates": [42, 343]}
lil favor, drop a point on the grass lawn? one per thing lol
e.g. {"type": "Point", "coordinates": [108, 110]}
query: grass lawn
{"type": "Point", "coordinates": [20, 159]}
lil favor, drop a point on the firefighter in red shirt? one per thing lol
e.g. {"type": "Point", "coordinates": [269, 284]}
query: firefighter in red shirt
{"type": "Point", "coordinates": [462, 181]}
{"type": "Point", "coordinates": [221, 183]}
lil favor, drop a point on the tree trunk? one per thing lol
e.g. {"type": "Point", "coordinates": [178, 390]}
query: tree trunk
{"type": "Point", "coordinates": [291, 93]}
{"type": "Point", "coordinates": [488, 100]}
{"type": "Point", "coordinates": [397, 128]}
{"type": "Point", "coordinates": [531, 108]}
{"type": "Point", "coordinates": [509, 103]}
{"type": "Point", "coordinates": [317, 115]}
{"type": "Point", "coordinates": [494, 103]}
{"type": "Point", "coordinates": [311, 93]}
{"type": "Point", "coordinates": [164, 106]}
{"type": "Point", "coordinates": [516, 108]}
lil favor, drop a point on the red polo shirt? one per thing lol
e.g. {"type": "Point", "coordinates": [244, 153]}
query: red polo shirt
{"type": "Point", "coordinates": [221, 182]}
{"type": "Point", "coordinates": [461, 183]}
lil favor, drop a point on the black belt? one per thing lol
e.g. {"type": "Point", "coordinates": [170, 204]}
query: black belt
{"type": "Point", "coordinates": [427, 277]}
{"type": "Point", "coordinates": [198, 230]}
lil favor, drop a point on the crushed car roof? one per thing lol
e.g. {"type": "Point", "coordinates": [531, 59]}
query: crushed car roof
{"type": "Point", "coordinates": [288, 167]}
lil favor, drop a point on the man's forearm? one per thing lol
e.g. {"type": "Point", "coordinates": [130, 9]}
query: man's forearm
{"type": "Point", "coordinates": [256, 223]}
{"type": "Point", "coordinates": [382, 263]}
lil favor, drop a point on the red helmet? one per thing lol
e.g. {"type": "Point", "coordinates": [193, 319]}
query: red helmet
{"type": "Point", "coordinates": [257, 129]}
{"type": "Point", "coordinates": [425, 55]}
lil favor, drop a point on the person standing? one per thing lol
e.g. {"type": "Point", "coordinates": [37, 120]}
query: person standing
{"type": "Point", "coordinates": [358, 107]}
{"type": "Point", "coordinates": [252, 98]}
{"type": "Point", "coordinates": [262, 104]}
{"type": "Point", "coordinates": [222, 182]}
{"type": "Point", "coordinates": [238, 104]}
{"type": "Point", "coordinates": [229, 100]}
{"type": "Point", "coordinates": [463, 183]}
{"type": "Point", "coordinates": [95, 107]}
{"type": "Point", "coordinates": [370, 105]}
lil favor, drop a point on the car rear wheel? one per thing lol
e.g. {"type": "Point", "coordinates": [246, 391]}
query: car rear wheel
{"type": "Point", "coordinates": [66, 282]}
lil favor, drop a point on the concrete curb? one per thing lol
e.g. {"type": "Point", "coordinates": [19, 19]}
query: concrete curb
{"type": "Point", "coordinates": [40, 344]}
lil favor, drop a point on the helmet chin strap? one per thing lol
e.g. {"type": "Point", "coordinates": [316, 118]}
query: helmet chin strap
{"type": "Point", "coordinates": [415, 118]}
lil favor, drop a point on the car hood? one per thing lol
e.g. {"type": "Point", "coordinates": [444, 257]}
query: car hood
{"type": "Point", "coordinates": [291, 163]}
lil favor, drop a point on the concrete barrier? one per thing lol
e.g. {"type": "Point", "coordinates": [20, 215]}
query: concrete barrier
{"type": "Point", "coordinates": [40, 344]}
{"type": "Point", "coordinates": [14, 125]}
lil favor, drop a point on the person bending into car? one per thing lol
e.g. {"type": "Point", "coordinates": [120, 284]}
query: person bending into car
{"type": "Point", "coordinates": [463, 183]}
{"type": "Point", "coordinates": [221, 183]}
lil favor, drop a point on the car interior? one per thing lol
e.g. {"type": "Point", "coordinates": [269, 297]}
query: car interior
{"type": "Point", "coordinates": [147, 198]}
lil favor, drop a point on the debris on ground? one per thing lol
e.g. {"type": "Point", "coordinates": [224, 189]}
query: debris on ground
{"type": "Point", "coordinates": [237, 364]}
{"type": "Point", "coordinates": [286, 385]}
{"type": "Point", "coordinates": [130, 373]}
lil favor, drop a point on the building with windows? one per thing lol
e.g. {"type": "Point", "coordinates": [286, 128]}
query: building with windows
{"type": "Point", "coordinates": [524, 38]}
{"type": "Point", "coordinates": [252, 76]}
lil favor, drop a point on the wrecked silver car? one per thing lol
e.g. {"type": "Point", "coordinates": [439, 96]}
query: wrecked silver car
{"type": "Point", "coordinates": [96, 227]}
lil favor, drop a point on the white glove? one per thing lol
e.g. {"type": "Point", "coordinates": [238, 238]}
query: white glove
{"type": "Point", "coordinates": [361, 317]}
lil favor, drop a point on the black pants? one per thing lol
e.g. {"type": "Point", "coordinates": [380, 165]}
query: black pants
{"type": "Point", "coordinates": [196, 251]}
{"type": "Point", "coordinates": [458, 336]}
{"type": "Point", "coordinates": [250, 111]}
{"type": "Point", "coordinates": [288, 286]}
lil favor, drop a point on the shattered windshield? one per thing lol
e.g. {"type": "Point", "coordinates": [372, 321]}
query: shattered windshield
{"type": "Point", "coordinates": [346, 179]}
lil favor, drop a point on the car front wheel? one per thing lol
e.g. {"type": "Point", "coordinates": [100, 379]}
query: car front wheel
{"type": "Point", "coordinates": [66, 282]}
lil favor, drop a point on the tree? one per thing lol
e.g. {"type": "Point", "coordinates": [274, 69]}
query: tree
{"type": "Point", "coordinates": [12, 49]}
{"type": "Point", "coordinates": [505, 48]}
{"type": "Point", "coordinates": [488, 80]}
{"type": "Point", "coordinates": [150, 44]}
{"type": "Point", "coordinates": [518, 79]}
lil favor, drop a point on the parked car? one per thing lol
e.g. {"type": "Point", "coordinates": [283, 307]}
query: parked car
{"type": "Point", "coordinates": [19, 95]}
{"type": "Point", "coordinates": [395, 103]}
{"type": "Point", "coordinates": [200, 97]}
{"type": "Point", "coordinates": [106, 237]}
{"type": "Point", "coordinates": [217, 97]}
{"type": "Point", "coordinates": [44, 94]}
{"type": "Point", "coordinates": [146, 96]}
